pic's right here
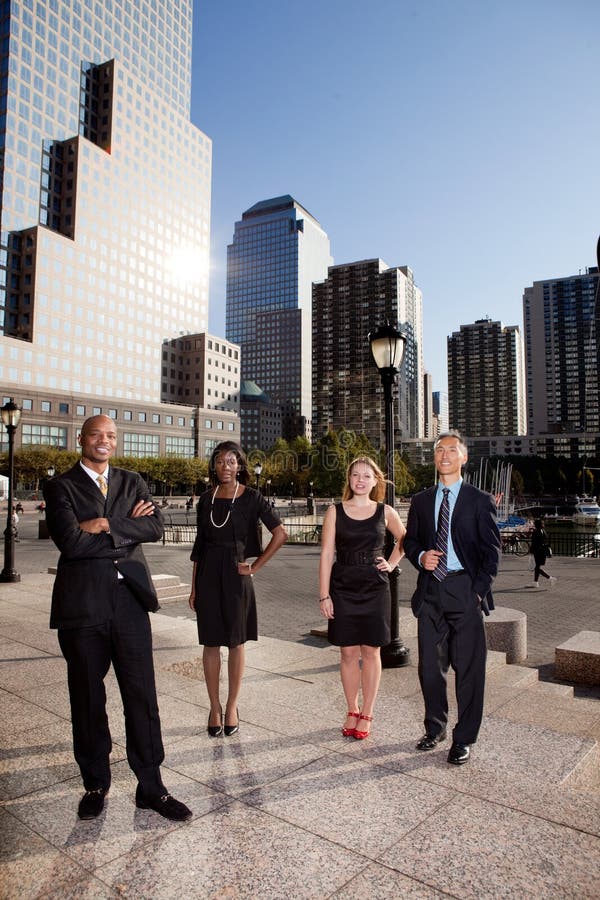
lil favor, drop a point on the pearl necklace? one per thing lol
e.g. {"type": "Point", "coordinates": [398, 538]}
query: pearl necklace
{"type": "Point", "coordinates": [222, 525]}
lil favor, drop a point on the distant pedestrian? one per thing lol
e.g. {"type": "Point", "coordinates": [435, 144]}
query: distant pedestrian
{"type": "Point", "coordinates": [14, 521]}
{"type": "Point", "coordinates": [540, 550]}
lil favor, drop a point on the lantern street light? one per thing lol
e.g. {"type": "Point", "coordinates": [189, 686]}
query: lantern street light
{"type": "Point", "coordinates": [257, 471]}
{"type": "Point", "coordinates": [51, 471]}
{"type": "Point", "coordinates": [11, 415]}
{"type": "Point", "coordinates": [268, 488]}
{"type": "Point", "coordinates": [387, 348]}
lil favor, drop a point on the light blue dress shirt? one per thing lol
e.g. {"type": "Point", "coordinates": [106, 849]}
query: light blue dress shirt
{"type": "Point", "coordinates": [454, 562]}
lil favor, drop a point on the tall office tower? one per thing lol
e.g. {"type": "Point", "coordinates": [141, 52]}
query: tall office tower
{"type": "Point", "coordinates": [429, 422]}
{"type": "Point", "coordinates": [201, 370]}
{"type": "Point", "coordinates": [562, 344]}
{"type": "Point", "coordinates": [440, 409]}
{"type": "Point", "coordinates": [105, 195]}
{"type": "Point", "coordinates": [278, 250]}
{"type": "Point", "coordinates": [485, 379]}
{"type": "Point", "coordinates": [355, 299]}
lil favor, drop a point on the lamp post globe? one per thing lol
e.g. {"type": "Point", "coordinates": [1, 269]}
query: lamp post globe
{"type": "Point", "coordinates": [11, 415]}
{"type": "Point", "coordinates": [387, 348]}
{"type": "Point", "coordinates": [257, 470]}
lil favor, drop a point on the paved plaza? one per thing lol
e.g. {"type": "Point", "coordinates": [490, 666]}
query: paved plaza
{"type": "Point", "coordinates": [288, 807]}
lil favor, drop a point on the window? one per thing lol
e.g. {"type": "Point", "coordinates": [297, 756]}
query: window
{"type": "Point", "coordinates": [156, 418]}
{"type": "Point", "coordinates": [168, 420]}
{"type": "Point", "coordinates": [63, 407]}
{"type": "Point", "coordinates": [27, 404]}
{"type": "Point", "coordinates": [112, 413]}
{"type": "Point", "coordinates": [46, 406]}
{"type": "Point", "coordinates": [140, 445]}
{"type": "Point", "coordinates": [127, 415]}
{"type": "Point", "coordinates": [48, 435]}
{"type": "Point", "coordinates": [180, 446]}
{"type": "Point", "coordinates": [208, 423]}
{"type": "Point", "coordinates": [81, 410]}
{"type": "Point", "coordinates": [96, 410]}
{"type": "Point", "coordinates": [142, 417]}
{"type": "Point", "coordinates": [180, 420]}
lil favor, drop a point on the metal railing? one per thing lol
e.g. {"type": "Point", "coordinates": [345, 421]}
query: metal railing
{"type": "Point", "coordinates": [569, 543]}
{"type": "Point", "coordinates": [297, 534]}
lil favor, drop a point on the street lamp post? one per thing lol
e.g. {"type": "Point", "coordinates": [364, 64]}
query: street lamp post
{"type": "Point", "coordinates": [268, 488]}
{"type": "Point", "coordinates": [11, 415]}
{"type": "Point", "coordinates": [387, 348]}
{"type": "Point", "coordinates": [257, 471]}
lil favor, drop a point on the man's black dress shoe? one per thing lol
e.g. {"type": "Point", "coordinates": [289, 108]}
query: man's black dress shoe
{"type": "Point", "coordinates": [166, 806]}
{"type": "Point", "coordinates": [459, 754]}
{"type": "Point", "coordinates": [430, 741]}
{"type": "Point", "coordinates": [92, 804]}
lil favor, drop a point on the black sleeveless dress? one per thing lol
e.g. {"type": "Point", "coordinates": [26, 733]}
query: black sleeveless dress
{"type": "Point", "coordinates": [360, 592]}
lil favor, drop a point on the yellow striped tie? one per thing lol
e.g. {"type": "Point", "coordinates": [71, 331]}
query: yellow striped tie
{"type": "Point", "coordinates": [102, 484]}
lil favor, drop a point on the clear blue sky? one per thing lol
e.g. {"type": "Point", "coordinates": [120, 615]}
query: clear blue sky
{"type": "Point", "coordinates": [458, 137]}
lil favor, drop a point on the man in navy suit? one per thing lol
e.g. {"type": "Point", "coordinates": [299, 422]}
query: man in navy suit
{"type": "Point", "coordinates": [452, 539]}
{"type": "Point", "coordinates": [98, 517]}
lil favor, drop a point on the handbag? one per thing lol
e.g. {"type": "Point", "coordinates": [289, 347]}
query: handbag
{"type": "Point", "coordinates": [548, 551]}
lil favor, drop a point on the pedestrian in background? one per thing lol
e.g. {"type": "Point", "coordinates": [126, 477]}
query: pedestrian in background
{"type": "Point", "coordinates": [540, 550]}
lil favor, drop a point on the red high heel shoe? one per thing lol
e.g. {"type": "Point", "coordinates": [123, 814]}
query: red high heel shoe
{"type": "Point", "coordinates": [350, 732]}
{"type": "Point", "coordinates": [361, 735]}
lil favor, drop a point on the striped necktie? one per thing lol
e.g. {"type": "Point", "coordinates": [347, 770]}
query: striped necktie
{"type": "Point", "coordinates": [441, 537]}
{"type": "Point", "coordinates": [102, 484]}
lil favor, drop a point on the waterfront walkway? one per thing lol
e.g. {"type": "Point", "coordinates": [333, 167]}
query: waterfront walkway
{"type": "Point", "coordinates": [289, 808]}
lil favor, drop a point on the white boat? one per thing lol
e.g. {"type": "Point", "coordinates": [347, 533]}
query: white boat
{"type": "Point", "coordinates": [587, 512]}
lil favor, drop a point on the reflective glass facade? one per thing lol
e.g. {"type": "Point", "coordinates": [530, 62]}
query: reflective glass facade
{"type": "Point", "coordinates": [278, 250]}
{"type": "Point", "coordinates": [105, 214]}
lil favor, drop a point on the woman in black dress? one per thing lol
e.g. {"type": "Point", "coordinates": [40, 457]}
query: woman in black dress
{"type": "Point", "coordinates": [222, 591]}
{"type": "Point", "coordinates": [355, 593]}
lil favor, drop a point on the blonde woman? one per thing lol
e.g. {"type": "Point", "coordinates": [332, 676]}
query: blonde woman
{"type": "Point", "coordinates": [354, 586]}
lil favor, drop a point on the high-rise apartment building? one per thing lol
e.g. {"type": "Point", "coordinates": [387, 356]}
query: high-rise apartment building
{"type": "Point", "coordinates": [202, 370]}
{"type": "Point", "coordinates": [278, 250]}
{"type": "Point", "coordinates": [355, 299]}
{"type": "Point", "coordinates": [105, 196]}
{"type": "Point", "coordinates": [485, 379]}
{"type": "Point", "coordinates": [562, 348]}
{"type": "Point", "coordinates": [440, 410]}
{"type": "Point", "coordinates": [430, 422]}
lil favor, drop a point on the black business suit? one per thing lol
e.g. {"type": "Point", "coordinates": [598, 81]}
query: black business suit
{"type": "Point", "coordinates": [450, 612]}
{"type": "Point", "coordinates": [100, 621]}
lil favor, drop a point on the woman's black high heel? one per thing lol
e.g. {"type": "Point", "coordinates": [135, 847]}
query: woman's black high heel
{"type": "Point", "coordinates": [233, 729]}
{"type": "Point", "coordinates": [215, 730]}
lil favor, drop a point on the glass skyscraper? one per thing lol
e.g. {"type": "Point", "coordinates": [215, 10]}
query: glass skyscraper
{"type": "Point", "coordinates": [105, 204]}
{"type": "Point", "coordinates": [278, 250]}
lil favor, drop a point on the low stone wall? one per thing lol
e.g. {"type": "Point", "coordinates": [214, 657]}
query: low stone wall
{"type": "Point", "coordinates": [506, 631]}
{"type": "Point", "coordinates": [578, 659]}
